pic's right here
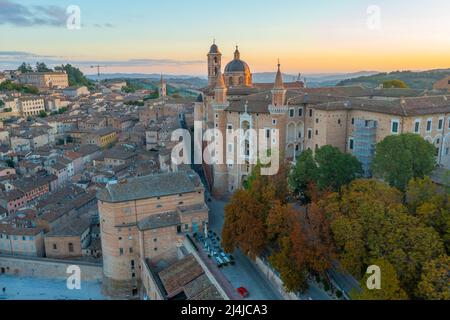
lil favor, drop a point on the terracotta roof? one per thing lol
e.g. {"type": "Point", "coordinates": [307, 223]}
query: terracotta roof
{"type": "Point", "coordinates": [151, 186]}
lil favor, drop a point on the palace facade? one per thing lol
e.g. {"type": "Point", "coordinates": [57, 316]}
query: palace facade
{"type": "Point", "coordinates": [353, 119]}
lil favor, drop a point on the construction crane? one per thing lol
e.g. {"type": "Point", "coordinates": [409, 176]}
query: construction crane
{"type": "Point", "coordinates": [98, 69]}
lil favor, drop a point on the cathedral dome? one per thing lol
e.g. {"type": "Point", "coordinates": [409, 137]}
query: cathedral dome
{"type": "Point", "coordinates": [237, 66]}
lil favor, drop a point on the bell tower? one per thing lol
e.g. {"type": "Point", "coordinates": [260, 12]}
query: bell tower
{"type": "Point", "coordinates": [278, 91]}
{"type": "Point", "coordinates": [214, 65]}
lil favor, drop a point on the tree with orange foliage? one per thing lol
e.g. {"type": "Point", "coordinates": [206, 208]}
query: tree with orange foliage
{"type": "Point", "coordinates": [244, 225]}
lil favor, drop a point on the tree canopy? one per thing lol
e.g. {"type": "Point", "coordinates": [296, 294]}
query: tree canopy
{"type": "Point", "coordinates": [400, 158]}
{"type": "Point", "coordinates": [390, 285]}
{"type": "Point", "coordinates": [388, 84]}
{"type": "Point", "coordinates": [329, 169]}
{"type": "Point", "coordinates": [25, 68]}
{"type": "Point", "coordinates": [76, 77]}
{"type": "Point", "coordinates": [369, 221]}
{"type": "Point", "coordinates": [435, 280]}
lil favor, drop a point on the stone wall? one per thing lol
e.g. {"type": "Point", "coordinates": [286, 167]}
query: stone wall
{"type": "Point", "coordinates": [48, 268]}
{"type": "Point", "coordinates": [274, 280]}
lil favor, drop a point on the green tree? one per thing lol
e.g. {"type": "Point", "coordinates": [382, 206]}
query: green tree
{"type": "Point", "coordinates": [25, 68]}
{"type": "Point", "coordinates": [387, 84]}
{"type": "Point", "coordinates": [2, 103]}
{"type": "Point", "coordinates": [10, 163]}
{"type": "Point", "coordinates": [42, 114]}
{"type": "Point", "coordinates": [42, 67]}
{"type": "Point", "coordinates": [303, 174]}
{"type": "Point", "coordinates": [435, 280]}
{"type": "Point", "coordinates": [11, 86]}
{"type": "Point", "coordinates": [329, 169]}
{"type": "Point", "coordinates": [390, 285]}
{"type": "Point", "coordinates": [76, 77]}
{"type": "Point", "coordinates": [400, 158]}
{"type": "Point", "coordinates": [336, 168]}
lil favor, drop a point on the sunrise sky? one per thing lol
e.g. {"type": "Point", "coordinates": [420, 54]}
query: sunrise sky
{"type": "Point", "coordinates": [145, 36]}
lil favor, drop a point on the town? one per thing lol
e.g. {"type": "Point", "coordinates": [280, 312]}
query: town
{"type": "Point", "coordinates": [88, 179]}
{"type": "Point", "coordinates": [224, 160]}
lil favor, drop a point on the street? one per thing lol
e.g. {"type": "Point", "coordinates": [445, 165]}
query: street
{"type": "Point", "coordinates": [243, 273]}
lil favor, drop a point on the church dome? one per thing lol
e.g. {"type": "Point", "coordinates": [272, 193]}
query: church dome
{"type": "Point", "coordinates": [237, 66]}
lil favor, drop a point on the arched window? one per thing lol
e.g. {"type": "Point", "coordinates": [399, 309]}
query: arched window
{"type": "Point", "coordinates": [230, 81]}
{"type": "Point", "coordinates": [241, 80]}
{"type": "Point", "coordinates": [215, 71]}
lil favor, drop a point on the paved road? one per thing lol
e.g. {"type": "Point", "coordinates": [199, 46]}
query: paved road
{"type": "Point", "coordinates": [243, 273]}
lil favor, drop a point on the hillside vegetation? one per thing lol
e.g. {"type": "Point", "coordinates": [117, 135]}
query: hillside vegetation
{"type": "Point", "coordinates": [414, 80]}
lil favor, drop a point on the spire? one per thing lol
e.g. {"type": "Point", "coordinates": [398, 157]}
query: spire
{"type": "Point", "coordinates": [162, 79]}
{"type": "Point", "coordinates": [237, 54]}
{"type": "Point", "coordinates": [279, 78]}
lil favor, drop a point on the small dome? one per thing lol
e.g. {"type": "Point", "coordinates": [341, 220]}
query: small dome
{"type": "Point", "coordinates": [214, 49]}
{"type": "Point", "coordinates": [199, 98]}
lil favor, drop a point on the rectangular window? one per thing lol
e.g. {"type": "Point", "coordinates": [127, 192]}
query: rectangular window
{"type": "Point", "coordinates": [230, 128]}
{"type": "Point", "coordinates": [70, 247]}
{"type": "Point", "coordinates": [274, 122]}
{"type": "Point", "coordinates": [300, 112]}
{"type": "Point", "coordinates": [291, 112]}
{"type": "Point", "coordinates": [268, 133]}
{"type": "Point", "coordinates": [310, 113]}
{"type": "Point", "coordinates": [441, 124]}
{"type": "Point", "coordinates": [121, 251]}
{"type": "Point", "coordinates": [351, 143]}
{"type": "Point", "coordinates": [417, 126]}
{"type": "Point", "coordinates": [395, 124]}
{"type": "Point", "coordinates": [429, 125]}
{"type": "Point", "coordinates": [55, 246]}
{"type": "Point", "coordinates": [310, 134]}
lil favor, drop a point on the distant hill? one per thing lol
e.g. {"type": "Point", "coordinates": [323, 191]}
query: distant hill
{"type": "Point", "coordinates": [313, 80]}
{"type": "Point", "coordinates": [414, 79]}
{"type": "Point", "coordinates": [193, 82]}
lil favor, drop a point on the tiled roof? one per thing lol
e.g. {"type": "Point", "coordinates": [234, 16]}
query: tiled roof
{"type": "Point", "coordinates": [175, 277]}
{"type": "Point", "coordinates": [73, 228]}
{"type": "Point", "coordinates": [151, 186]}
{"type": "Point", "coordinates": [162, 220]}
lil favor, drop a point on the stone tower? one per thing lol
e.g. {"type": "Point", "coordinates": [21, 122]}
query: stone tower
{"type": "Point", "coordinates": [220, 123]}
{"type": "Point", "coordinates": [214, 65]}
{"type": "Point", "coordinates": [162, 90]}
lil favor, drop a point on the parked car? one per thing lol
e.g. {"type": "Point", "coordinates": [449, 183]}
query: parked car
{"type": "Point", "coordinates": [243, 292]}
{"type": "Point", "coordinates": [224, 257]}
{"type": "Point", "coordinates": [218, 260]}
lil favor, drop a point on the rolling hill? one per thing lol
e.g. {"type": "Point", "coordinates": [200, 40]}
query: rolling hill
{"type": "Point", "coordinates": [414, 79]}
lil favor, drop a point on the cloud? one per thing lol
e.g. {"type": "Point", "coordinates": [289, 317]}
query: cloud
{"type": "Point", "coordinates": [19, 15]}
{"type": "Point", "coordinates": [12, 59]}
{"type": "Point", "coordinates": [105, 25]}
